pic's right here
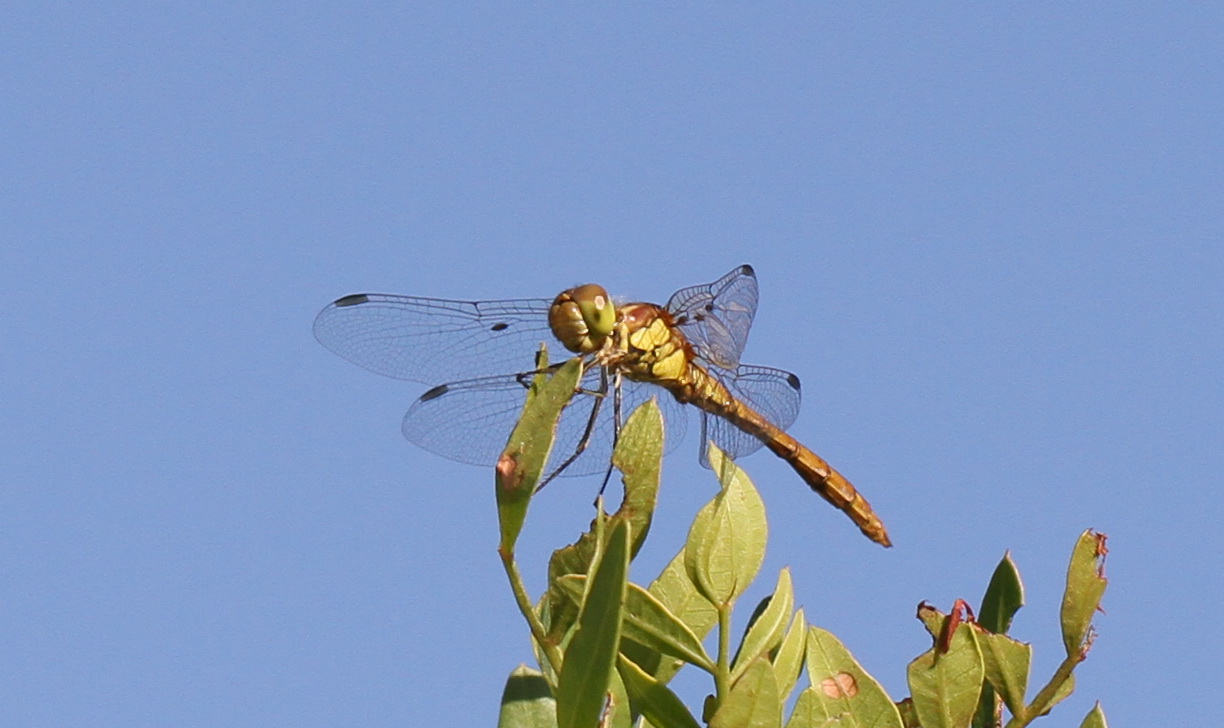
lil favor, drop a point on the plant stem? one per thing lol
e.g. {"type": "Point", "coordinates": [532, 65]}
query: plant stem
{"type": "Point", "coordinates": [1044, 699]}
{"type": "Point", "coordinates": [722, 674]}
{"type": "Point", "coordinates": [550, 650]}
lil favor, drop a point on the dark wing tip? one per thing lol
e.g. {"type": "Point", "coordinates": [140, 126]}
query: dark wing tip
{"type": "Point", "coordinates": [747, 270]}
{"type": "Point", "coordinates": [434, 393]}
{"type": "Point", "coordinates": [792, 380]}
{"type": "Point", "coordinates": [353, 300]}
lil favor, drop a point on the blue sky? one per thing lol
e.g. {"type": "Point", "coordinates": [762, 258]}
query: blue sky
{"type": "Point", "coordinates": [989, 240]}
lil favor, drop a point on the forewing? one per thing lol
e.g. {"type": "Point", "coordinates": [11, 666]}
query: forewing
{"type": "Point", "coordinates": [430, 340]}
{"type": "Point", "coordinates": [716, 317]}
{"type": "Point", "coordinates": [774, 393]}
{"type": "Point", "coordinates": [470, 421]}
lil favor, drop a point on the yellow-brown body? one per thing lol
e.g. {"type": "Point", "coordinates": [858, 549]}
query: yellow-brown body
{"type": "Point", "coordinates": [645, 345]}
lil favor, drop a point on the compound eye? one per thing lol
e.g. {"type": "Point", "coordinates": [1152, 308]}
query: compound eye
{"type": "Point", "coordinates": [596, 307]}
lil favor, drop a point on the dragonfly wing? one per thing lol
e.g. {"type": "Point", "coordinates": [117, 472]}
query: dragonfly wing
{"type": "Point", "coordinates": [470, 421]}
{"type": "Point", "coordinates": [467, 421]}
{"type": "Point", "coordinates": [429, 340]}
{"type": "Point", "coordinates": [716, 317]}
{"type": "Point", "coordinates": [774, 393]}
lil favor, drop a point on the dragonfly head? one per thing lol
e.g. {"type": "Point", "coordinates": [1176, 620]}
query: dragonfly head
{"type": "Point", "coordinates": [581, 318]}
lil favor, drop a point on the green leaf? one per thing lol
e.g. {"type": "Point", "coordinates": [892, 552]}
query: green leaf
{"type": "Point", "coordinates": [650, 624]}
{"type": "Point", "coordinates": [753, 701]}
{"type": "Point", "coordinates": [526, 701]}
{"type": "Point", "coordinates": [988, 713]}
{"type": "Point", "coordinates": [1003, 598]}
{"type": "Point", "coordinates": [1062, 693]}
{"type": "Point", "coordinates": [1095, 718]}
{"type": "Point", "coordinates": [639, 455]}
{"type": "Point", "coordinates": [573, 559]}
{"type": "Point", "coordinates": [620, 710]}
{"type": "Point", "coordinates": [945, 686]}
{"type": "Point", "coordinates": [653, 699]}
{"type": "Point", "coordinates": [842, 689]}
{"type": "Point", "coordinates": [583, 684]}
{"type": "Point", "coordinates": [700, 543]}
{"type": "Point", "coordinates": [788, 662]}
{"type": "Point", "coordinates": [522, 462]}
{"type": "Point", "coordinates": [1085, 586]}
{"type": "Point", "coordinates": [1006, 662]}
{"type": "Point", "coordinates": [726, 543]}
{"type": "Point", "coordinates": [768, 626]}
{"type": "Point", "coordinates": [677, 593]}
{"type": "Point", "coordinates": [541, 374]}
{"type": "Point", "coordinates": [932, 619]}
{"type": "Point", "coordinates": [810, 712]}
{"type": "Point", "coordinates": [542, 659]}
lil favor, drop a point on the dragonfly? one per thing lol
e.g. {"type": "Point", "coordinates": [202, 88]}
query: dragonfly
{"type": "Point", "coordinates": [685, 354]}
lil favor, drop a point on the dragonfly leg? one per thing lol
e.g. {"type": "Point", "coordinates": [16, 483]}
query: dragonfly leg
{"type": "Point", "coordinates": [597, 402]}
{"type": "Point", "coordinates": [527, 378]}
{"type": "Point", "coordinates": [616, 428]}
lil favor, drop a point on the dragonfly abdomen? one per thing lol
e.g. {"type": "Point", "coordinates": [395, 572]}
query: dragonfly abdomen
{"type": "Point", "coordinates": [702, 390]}
{"type": "Point", "coordinates": [831, 485]}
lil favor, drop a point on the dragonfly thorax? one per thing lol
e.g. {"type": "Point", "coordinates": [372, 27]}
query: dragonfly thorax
{"type": "Point", "coordinates": [647, 346]}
